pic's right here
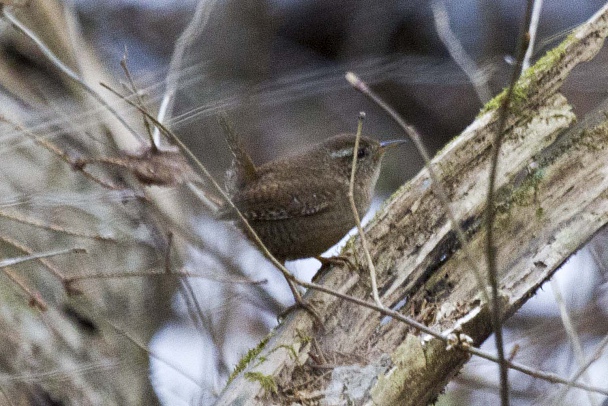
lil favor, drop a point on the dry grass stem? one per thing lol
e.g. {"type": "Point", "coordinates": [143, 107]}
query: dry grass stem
{"type": "Point", "coordinates": [353, 207]}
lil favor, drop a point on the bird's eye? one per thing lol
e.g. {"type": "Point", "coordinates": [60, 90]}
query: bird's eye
{"type": "Point", "coordinates": [362, 153]}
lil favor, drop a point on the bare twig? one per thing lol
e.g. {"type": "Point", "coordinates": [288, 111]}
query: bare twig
{"type": "Point", "coordinates": [139, 98]}
{"type": "Point", "coordinates": [198, 23]}
{"type": "Point", "coordinates": [39, 255]}
{"type": "Point", "coordinates": [547, 376]}
{"type": "Point", "coordinates": [572, 334]}
{"type": "Point", "coordinates": [567, 322]}
{"type": "Point", "coordinates": [491, 211]}
{"type": "Point", "coordinates": [148, 351]}
{"type": "Point", "coordinates": [259, 242]}
{"type": "Point", "coordinates": [593, 358]}
{"type": "Point", "coordinates": [384, 311]}
{"type": "Point", "coordinates": [253, 235]}
{"type": "Point", "coordinates": [153, 272]}
{"type": "Point", "coordinates": [65, 69]}
{"type": "Point", "coordinates": [34, 298]}
{"type": "Point", "coordinates": [458, 53]}
{"type": "Point", "coordinates": [22, 247]}
{"type": "Point", "coordinates": [361, 86]}
{"type": "Point", "coordinates": [54, 149]}
{"type": "Point", "coordinates": [536, 9]}
{"type": "Point", "coordinates": [202, 322]}
{"type": "Point", "coordinates": [63, 372]}
{"type": "Point", "coordinates": [54, 227]}
{"type": "Point", "coordinates": [353, 207]}
{"type": "Point", "coordinates": [9, 402]}
{"type": "Point", "coordinates": [199, 318]}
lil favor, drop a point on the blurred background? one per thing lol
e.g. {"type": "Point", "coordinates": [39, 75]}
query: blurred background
{"type": "Point", "coordinates": [277, 68]}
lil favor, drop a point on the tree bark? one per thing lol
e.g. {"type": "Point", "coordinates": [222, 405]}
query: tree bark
{"type": "Point", "coordinates": [552, 198]}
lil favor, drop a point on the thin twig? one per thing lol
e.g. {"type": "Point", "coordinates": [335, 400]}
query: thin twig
{"type": "Point", "coordinates": [197, 24]}
{"type": "Point", "coordinates": [593, 358]}
{"type": "Point", "coordinates": [56, 150]}
{"type": "Point", "coordinates": [65, 69]}
{"type": "Point", "coordinates": [575, 342]}
{"type": "Point", "coordinates": [35, 300]}
{"type": "Point", "coordinates": [361, 86]}
{"type": "Point", "coordinates": [20, 246]}
{"type": "Point", "coordinates": [58, 374]}
{"type": "Point", "coordinates": [458, 53]}
{"type": "Point", "coordinates": [256, 239]}
{"type": "Point", "coordinates": [140, 100]}
{"type": "Point", "coordinates": [199, 318]}
{"type": "Point", "coordinates": [152, 272]}
{"type": "Point", "coordinates": [385, 311]}
{"type": "Point", "coordinates": [549, 401]}
{"type": "Point", "coordinates": [351, 198]}
{"type": "Point", "coordinates": [567, 322]}
{"type": "Point", "coordinates": [491, 255]}
{"type": "Point", "coordinates": [250, 229]}
{"type": "Point", "coordinates": [40, 255]}
{"type": "Point", "coordinates": [547, 376]}
{"type": "Point", "coordinates": [53, 227]}
{"type": "Point", "coordinates": [9, 402]}
{"type": "Point", "coordinates": [536, 9]}
{"type": "Point", "coordinates": [202, 322]}
{"type": "Point", "coordinates": [151, 353]}
{"type": "Point", "coordinates": [253, 235]}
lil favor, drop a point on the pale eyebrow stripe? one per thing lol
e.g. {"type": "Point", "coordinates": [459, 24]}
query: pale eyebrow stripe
{"type": "Point", "coordinates": [342, 153]}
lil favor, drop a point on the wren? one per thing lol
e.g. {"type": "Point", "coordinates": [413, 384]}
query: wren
{"type": "Point", "coordinates": [299, 205]}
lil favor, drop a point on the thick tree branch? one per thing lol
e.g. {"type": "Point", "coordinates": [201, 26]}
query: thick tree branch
{"type": "Point", "coordinates": [551, 198]}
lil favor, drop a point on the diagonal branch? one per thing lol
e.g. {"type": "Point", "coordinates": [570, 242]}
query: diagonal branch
{"type": "Point", "coordinates": [423, 272]}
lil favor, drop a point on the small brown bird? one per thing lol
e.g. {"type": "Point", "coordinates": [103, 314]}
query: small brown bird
{"type": "Point", "coordinates": [299, 205]}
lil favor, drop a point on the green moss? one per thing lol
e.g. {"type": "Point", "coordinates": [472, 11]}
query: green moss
{"type": "Point", "coordinates": [290, 349]}
{"type": "Point", "coordinates": [248, 357]}
{"type": "Point", "coordinates": [529, 78]}
{"type": "Point", "coordinates": [524, 195]}
{"type": "Point", "coordinates": [266, 381]}
{"type": "Point", "coordinates": [253, 353]}
{"type": "Point", "coordinates": [549, 60]}
{"type": "Point", "coordinates": [350, 245]}
{"type": "Point", "coordinates": [304, 338]}
{"type": "Point", "coordinates": [539, 212]}
{"type": "Point", "coordinates": [519, 96]}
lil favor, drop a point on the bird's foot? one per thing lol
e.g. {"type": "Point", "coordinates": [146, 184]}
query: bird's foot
{"type": "Point", "coordinates": [337, 260]}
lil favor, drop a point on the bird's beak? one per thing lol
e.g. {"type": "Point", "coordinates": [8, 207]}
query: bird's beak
{"type": "Point", "coordinates": [386, 145]}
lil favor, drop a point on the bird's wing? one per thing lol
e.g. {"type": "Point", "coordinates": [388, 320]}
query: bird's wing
{"type": "Point", "coordinates": [276, 202]}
